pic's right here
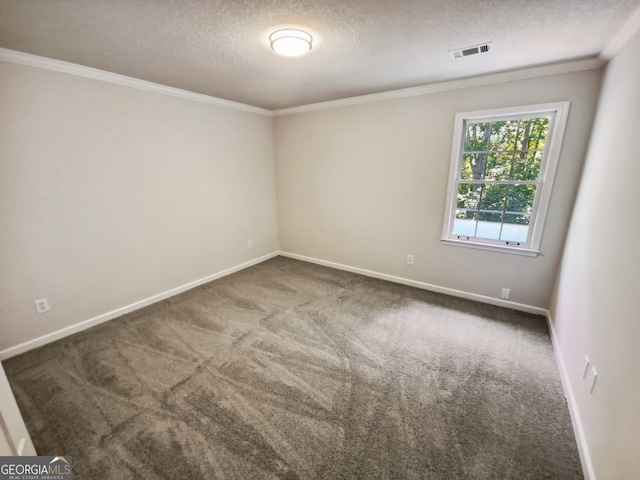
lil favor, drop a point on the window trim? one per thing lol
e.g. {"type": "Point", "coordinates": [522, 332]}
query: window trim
{"type": "Point", "coordinates": [548, 169]}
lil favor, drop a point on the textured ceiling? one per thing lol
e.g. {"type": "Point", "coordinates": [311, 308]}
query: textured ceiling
{"type": "Point", "coordinates": [220, 48]}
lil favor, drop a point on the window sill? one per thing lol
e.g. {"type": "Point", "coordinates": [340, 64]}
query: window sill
{"type": "Point", "coordinates": [492, 248]}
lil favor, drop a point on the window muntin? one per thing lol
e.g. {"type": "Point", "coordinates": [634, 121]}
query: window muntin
{"type": "Point", "coordinates": [502, 168]}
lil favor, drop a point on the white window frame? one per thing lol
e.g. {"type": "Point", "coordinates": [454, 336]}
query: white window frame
{"type": "Point", "coordinates": [553, 144]}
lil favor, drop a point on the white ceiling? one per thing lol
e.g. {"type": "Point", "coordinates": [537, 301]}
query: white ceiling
{"type": "Point", "coordinates": [219, 48]}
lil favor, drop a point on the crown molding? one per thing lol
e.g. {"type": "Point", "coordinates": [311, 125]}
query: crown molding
{"type": "Point", "coordinates": [523, 74]}
{"type": "Point", "coordinates": [21, 58]}
{"type": "Point", "coordinates": [622, 36]}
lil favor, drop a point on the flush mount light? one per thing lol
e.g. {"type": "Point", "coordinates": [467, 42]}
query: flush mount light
{"type": "Point", "coordinates": [290, 42]}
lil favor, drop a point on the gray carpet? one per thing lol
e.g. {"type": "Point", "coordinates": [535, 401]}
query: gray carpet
{"type": "Point", "coordinates": [289, 370]}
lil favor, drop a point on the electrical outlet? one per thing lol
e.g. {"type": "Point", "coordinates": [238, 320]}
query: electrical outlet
{"type": "Point", "coordinates": [505, 293]}
{"type": "Point", "coordinates": [250, 244]}
{"type": "Point", "coordinates": [592, 376]}
{"type": "Point", "coordinates": [410, 259]}
{"type": "Point", "coordinates": [42, 305]}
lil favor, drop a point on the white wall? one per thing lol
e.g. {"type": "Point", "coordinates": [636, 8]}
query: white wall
{"type": "Point", "coordinates": [595, 306]}
{"type": "Point", "coordinates": [110, 195]}
{"type": "Point", "coordinates": [365, 185]}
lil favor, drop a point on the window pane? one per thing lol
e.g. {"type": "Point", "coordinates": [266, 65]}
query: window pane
{"type": "Point", "coordinates": [490, 211]}
{"type": "Point", "coordinates": [532, 133]}
{"type": "Point", "coordinates": [515, 228]}
{"type": "Point", "coordinates": [489, 225]}
{"type": "Point", "coordinates": [465, 227]}
{"type": "Point", "coordinates": [527, 166]}
{"type": "Point", "coordinates": [520, 198]}
{"type": "Point", "coordinates": [473, 165]}
{"type": "Point", "coordinates": [539, 127]}
{"type": "Point", "coordinates": [493, 197]}
{"type": "Point", "coordinates": [521, 133]}
{"type": "Point", "coordinates": [477, 136]}
{"type": "Point", "coordinates": [468, 196]}
{"type": "Point", "coordinates": [498, 166]}
{"type": "Point", "coordinates": [503, 135]}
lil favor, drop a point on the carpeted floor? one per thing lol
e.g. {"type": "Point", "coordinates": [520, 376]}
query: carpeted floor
{"type": "Point", "coordinates": [289, 370]}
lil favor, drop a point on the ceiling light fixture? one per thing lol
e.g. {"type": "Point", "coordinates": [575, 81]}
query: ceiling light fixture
{"type": "Point", "coordinates": [290, 42]}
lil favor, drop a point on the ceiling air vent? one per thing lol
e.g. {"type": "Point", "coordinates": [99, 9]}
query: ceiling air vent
{"type": "Point", "coordinates": [465, 52]}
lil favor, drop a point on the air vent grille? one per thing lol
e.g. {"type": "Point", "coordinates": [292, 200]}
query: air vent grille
{"type": "Point", "coordinates": [467, 51]}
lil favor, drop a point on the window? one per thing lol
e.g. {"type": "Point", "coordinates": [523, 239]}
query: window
{"type": "Point", "coordinates": [502, 167]}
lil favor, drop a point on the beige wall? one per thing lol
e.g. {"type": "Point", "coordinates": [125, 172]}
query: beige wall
{"type": "Point", "coordinates": [110, 195]}
{"type": "Point", "coordinates": [365, 185]}
{"type": "Point", "coordinates": [595, 307]}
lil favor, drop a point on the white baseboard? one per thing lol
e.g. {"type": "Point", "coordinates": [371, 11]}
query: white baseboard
{"type": "Point", "coordinates": [92, 322]}
{"type": "Point", "coordinates": [583, 450]}
{"type": "Point", "coordinates": [424, 286]}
